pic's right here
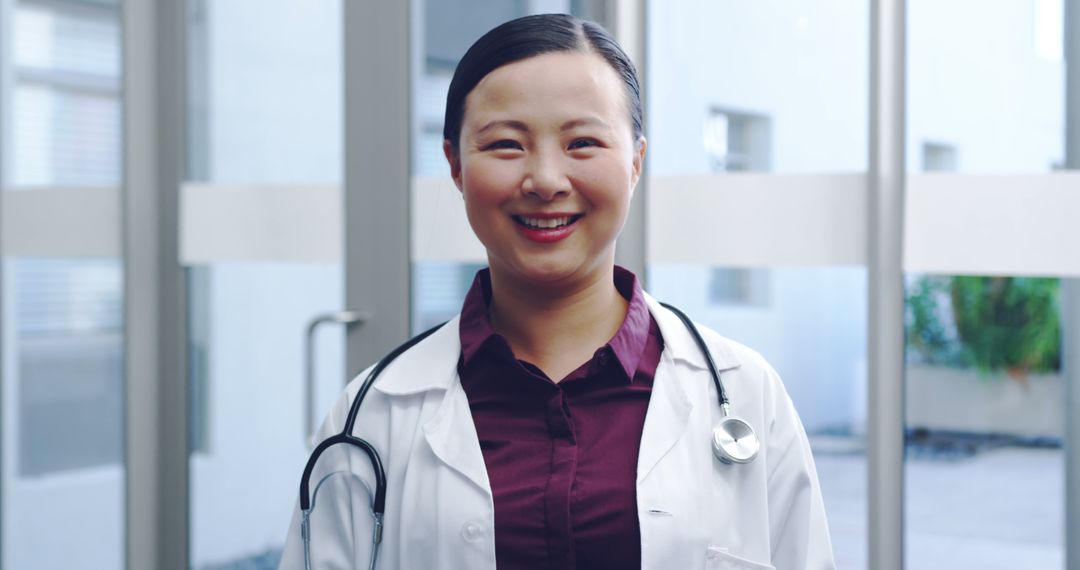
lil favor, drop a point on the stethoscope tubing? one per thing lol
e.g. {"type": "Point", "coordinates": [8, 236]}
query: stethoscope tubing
{"type": "Point", "coordinates": [713, 371]}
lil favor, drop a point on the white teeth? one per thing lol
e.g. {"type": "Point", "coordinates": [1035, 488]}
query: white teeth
{"type": "Point", "coordinates": [545, 223]}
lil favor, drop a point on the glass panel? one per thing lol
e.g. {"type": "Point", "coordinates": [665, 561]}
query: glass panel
{"type": "Point", "coordinates": [983, 380]}
{"type": "Point", "coordinates": [988, 97]}
{"type": "Point", "coordinates": [260, 111]}
{"type": "Point", "coordinates": [722, 78]}
{"type": "Point", "coordinates": [984, 414]}
{"type": "Point", "coordinates": [62, 429]}
{"type": "Point", "coordinates": [66, 116]}
{"type": "Point", "coordinates": [246, 377]}
{"type": "Point", "coordinates": [63, 484]}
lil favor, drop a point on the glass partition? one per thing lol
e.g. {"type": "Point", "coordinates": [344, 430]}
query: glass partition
{"type": "Point", "coordinates": [985, 388]}
{"type": "Point", "coordinates": [62, 499]}
{"type": "Point", "coordinates": [265, 116]}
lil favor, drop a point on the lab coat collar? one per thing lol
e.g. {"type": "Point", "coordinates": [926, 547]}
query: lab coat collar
{"type": "Point", "coordinates": [432, 364]}
{"type": "Point", "coordinates": [680, 344]}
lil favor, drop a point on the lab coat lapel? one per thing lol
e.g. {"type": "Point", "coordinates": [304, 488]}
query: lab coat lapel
{"type": "Point", "coordinates": [666, 419]}
{"type": "Point", "coordinates": [451, 434]}
{"type": "Point", "coordinates": [449, 430]}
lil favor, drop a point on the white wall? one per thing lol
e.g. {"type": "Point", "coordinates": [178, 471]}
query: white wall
{"type": "Point", "coordinates": [976, 81]}
{"type": "Point", "coordinates": [275, 91]}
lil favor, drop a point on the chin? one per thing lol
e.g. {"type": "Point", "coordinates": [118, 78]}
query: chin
{"type": "Point", "coordinates": [552, 271]}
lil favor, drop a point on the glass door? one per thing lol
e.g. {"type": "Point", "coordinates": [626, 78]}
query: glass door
{"type": "Point", "coordinates": [261, 246]}
{"type": "Point", "coordinates": [985, 380]}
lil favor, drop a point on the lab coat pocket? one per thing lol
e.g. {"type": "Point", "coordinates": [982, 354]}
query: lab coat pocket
{"type": "Point", "coordinates": [720, 559]}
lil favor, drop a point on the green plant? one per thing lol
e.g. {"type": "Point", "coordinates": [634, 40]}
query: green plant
{"type": "Point", "coordinates": [927, 335]}
{"type": "Point", "coordinates": [993, 323]}
{"type": "Point", "coordinates": [1008, 323]}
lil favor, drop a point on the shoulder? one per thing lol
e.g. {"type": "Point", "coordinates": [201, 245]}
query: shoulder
{"type": "Point", "coordinates": [399, 379]}
{"type": "Point", "coordinates": [749, 359]}
{"type": "Point", "coordinates": [752, 374]}
{"type": "Point", "coordinates": [427, 361]}
{"type": "Point", "coordinates": [726, 353]}
{"type": "Point", "coordinates": [750, 381]}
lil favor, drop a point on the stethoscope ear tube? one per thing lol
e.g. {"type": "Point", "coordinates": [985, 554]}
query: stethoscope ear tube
{"type": "Point", "coordinates": [733, 438]}
{"type": "Point", "coordinates": [692, 329]}
{"type": "Point", "coordinates": [378, 504]}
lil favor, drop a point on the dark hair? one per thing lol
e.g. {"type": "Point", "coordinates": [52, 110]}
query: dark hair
{"type": "Point", "coordinates": [531, 36]}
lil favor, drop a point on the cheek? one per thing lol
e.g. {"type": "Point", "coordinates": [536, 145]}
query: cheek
{"type": "Point", "coordinates": [605, 181]}
{"type": "Point", "coordinates": [487, 184]}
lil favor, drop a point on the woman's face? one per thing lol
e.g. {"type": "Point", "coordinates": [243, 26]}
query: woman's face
{"type": "Point", "coordinates": [547, 163]}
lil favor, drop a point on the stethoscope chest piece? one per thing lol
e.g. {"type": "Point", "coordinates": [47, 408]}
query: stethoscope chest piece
{"type": "Point", "coordinates": [734, 441]}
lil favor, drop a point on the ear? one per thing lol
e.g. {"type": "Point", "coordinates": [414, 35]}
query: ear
{"type": "Point", "coordinates": [454, 159]}
{"type": "Point", "coordinates": [638, 161]}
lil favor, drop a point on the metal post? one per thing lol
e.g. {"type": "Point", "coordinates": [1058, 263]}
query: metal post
{"type": "Point", "coordinates": [173, 489]}
{"type": "Point", "coordinates": [377, 43]}
{"type": "Point", "coordinates": [154, 313]}
{"type": "Point", "coordinates": [140, 290]}
{"type": "Point", "coordinates": [885, 409]}
{"type": "Point", "coordinates": [1070, 298]}
{"type": "Point", "coordinates": [5, 88]}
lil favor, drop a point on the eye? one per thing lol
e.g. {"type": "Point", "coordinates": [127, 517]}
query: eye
{"type": "Point", "coordinates": [583, 143]}
{"type": "Point", "coordinates": [503, 144]}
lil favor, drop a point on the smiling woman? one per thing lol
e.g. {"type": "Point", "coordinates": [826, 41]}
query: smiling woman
{"type": "Point", "coordinates": [565, 418]}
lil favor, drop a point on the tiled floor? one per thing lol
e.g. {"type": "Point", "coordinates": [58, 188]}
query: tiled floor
{"type": "Point", "coordinates": [999, 509]}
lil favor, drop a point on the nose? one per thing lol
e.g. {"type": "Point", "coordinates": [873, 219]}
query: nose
{"type": "Point", "coordinates": [546, 177]}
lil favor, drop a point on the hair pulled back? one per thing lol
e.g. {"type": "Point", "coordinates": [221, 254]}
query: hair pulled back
{"type": "Point", "coordinates": [531, 36]}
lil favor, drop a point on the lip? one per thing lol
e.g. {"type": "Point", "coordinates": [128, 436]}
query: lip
{"type": "Point", "coordinates": [548, 235]}
{"type": "Point", "coordinates": [547, 215]}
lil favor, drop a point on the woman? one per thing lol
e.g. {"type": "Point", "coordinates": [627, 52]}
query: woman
{"type": "Point", "coordinates": [565, 418]}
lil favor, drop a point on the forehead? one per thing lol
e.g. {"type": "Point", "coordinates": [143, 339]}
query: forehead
{"type": "Point", "coordinates": [552, 86]}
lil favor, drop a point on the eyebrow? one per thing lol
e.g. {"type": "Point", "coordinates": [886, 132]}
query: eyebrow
{"type": "Point", "coordinates": [584, 121]}
{"type": "Point", "coordinates": [514, 125]}
{"type": "Point", "coordinates": [522, 127]}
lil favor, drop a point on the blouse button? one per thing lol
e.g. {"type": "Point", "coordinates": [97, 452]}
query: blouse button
{"type": "Point", "coordinates": [472, 531]}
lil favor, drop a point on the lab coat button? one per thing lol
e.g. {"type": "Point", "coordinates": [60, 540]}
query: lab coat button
{"type": "Point", "coordinates": [472, 531]}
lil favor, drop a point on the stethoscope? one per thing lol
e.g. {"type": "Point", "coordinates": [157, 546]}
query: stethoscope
{"type": "Point", "coordinates": [733, 440]}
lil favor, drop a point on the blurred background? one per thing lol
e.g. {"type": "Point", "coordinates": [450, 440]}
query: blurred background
{"type": "Point", "coordinates": [183, 184]}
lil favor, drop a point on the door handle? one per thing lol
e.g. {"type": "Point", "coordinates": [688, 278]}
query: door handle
{"type": "Point", "coordinates": [341, 317]}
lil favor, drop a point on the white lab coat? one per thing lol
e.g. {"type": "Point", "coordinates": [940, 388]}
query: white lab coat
{"type": "Point", "coordinates": [694, 512]}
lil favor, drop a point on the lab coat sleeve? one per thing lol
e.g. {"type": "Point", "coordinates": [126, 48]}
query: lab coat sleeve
{"type": "Point", "coordinates": [799, 531]}
{"type": "Point", "coordinates": [341, 509]}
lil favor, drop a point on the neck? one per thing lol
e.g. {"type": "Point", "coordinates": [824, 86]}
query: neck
{"type": "Point", "coordinates": [559, 327]}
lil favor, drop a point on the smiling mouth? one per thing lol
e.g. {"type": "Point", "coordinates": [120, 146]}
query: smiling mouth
{"type": "Point", "coordinates": [546, 223]}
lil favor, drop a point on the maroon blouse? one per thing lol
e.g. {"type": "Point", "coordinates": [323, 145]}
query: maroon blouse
{"type": "Point", "coordinates": [562, 458]}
